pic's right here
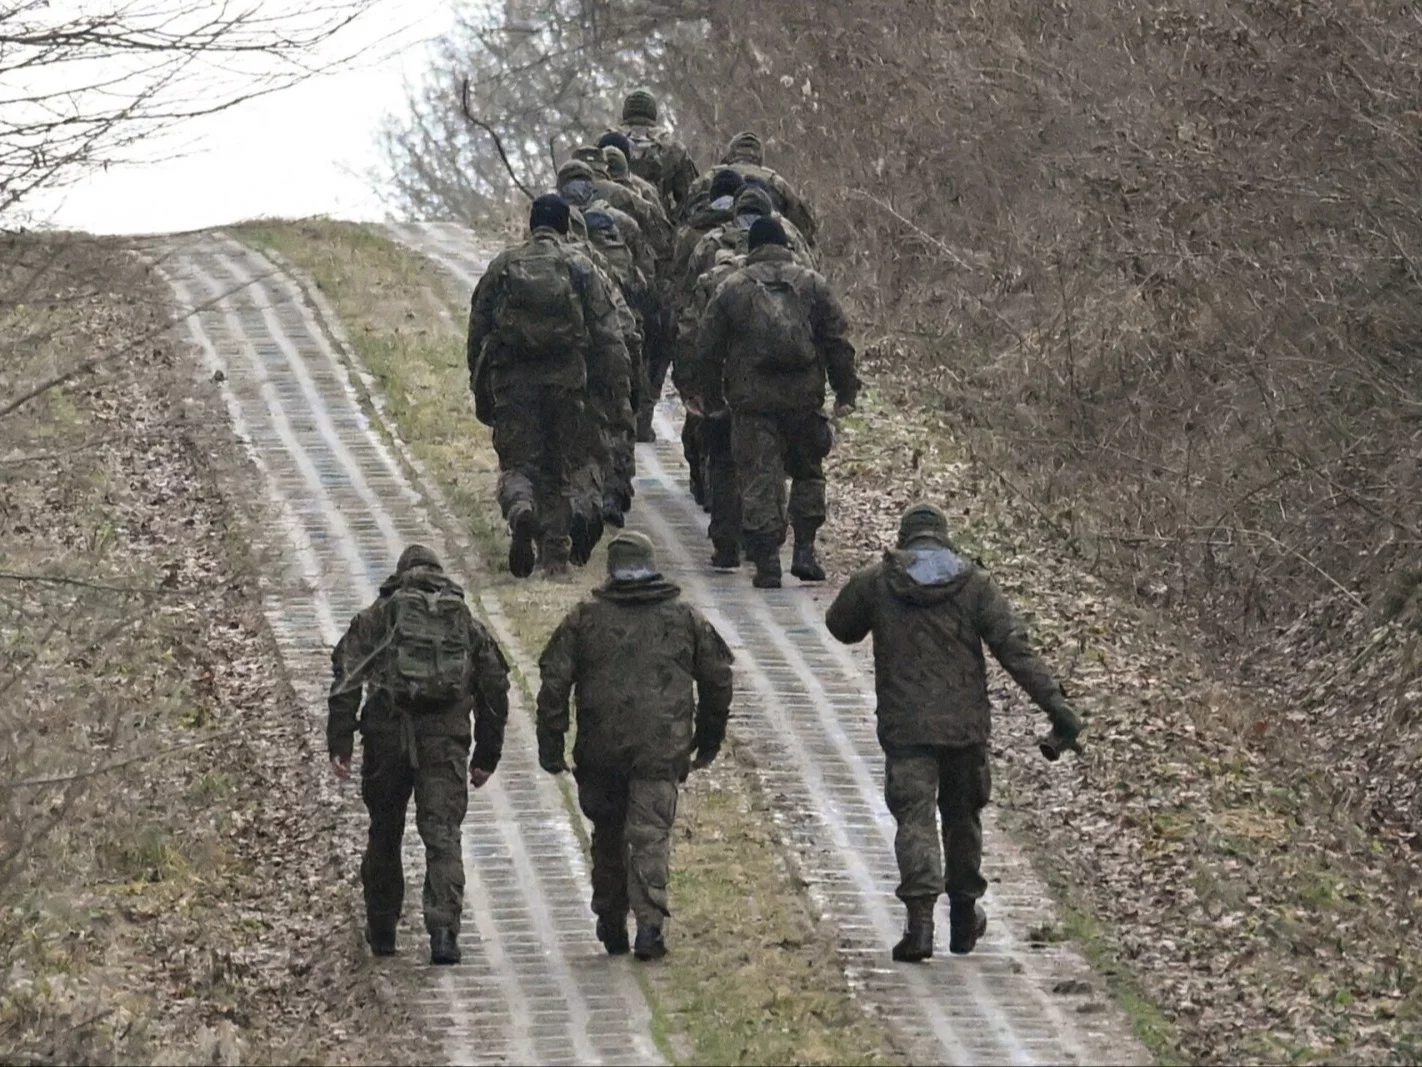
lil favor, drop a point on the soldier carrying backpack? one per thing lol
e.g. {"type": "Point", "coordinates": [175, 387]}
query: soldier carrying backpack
{"type": "Point", "coordinates": [422, 663]}
{"type": "Point", "coordinates": [543, 332]}
{"type": "Point", "coordinates": [769, 339]}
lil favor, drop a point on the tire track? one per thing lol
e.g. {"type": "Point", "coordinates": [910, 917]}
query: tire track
{"type": "Point", "coordinates": [535, 986]}
{"type": "Point", "coordinates": [804, 710]}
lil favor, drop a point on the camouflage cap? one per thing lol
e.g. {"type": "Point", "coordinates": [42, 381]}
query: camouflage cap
{"type": "Point", "coordinates": [416, 556]}
{"type": "Point", "coordinates": [923, 521]}
{"type": "Point", "coordinates": [640, 106]}
{"type": "Point", "coordinates": [754, 200]}
{"type": "Point", "coordinates": [616, 161]}
{"type": "Point", "coordinates": [746, 147]}
{"type": "Point", "coordinates": [631, 557]}
{"type": "Point", "coordinates": [593, 157]}
{"type": "Point", "coordinates": [573, 169]}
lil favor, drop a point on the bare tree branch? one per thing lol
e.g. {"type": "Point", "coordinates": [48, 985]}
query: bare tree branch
{"type": "Point", "coordinates": [473, 120]}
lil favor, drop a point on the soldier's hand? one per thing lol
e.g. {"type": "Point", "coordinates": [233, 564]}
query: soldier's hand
{"type": "Point", "coordinates": [843, 408]}
{"type": "Point", "coordinates": [478, 777]}
{"type": "Point", "coordinates": [342, 766]}
{"type": "Point", "coordinates": [692, 404]}
{"type": "Point", "coordinates": [704, 757]}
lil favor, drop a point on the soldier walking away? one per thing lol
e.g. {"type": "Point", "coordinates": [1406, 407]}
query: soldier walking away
{"type": "Point", "coordinates": [543, 332]}
{"type": "Point", "coordinates": [633, 653]}
{"type": "Point", "coordinates": [423, 664]}
{"type": "Point", "coordinates": [656, 154]}
{"type": "Point", "coordinates": [770, 338]}
{"type": "Point", "coordinates": [931, 611]}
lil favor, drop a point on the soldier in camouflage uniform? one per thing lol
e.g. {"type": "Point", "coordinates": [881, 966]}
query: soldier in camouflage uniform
{"type": "Point", "coordinates": [632, 654]}
{"type": "Point", "coordinates": [930, 612]}
{"type": "Point", "coordinates": [746, 156]}
{"type": "Point", "coordinates": [768, 340]}
{"type": "Point", "coordinates": [534, 358]}
{"type": "Point", "coordinates": [417, 749]}
{"type": "Point", "coordinates": [656, 154]}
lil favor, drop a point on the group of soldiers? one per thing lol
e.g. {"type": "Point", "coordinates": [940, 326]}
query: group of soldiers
{"type": "Point", "coordinates": [638, 266]}
{"type": "Point", "coordinates": [566, 334]}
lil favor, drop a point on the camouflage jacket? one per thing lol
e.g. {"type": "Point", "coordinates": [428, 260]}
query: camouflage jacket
{"type": "Point", "coordinates": [488, 690]}
{"type": "Point", "coordinates": [666, 164]}
{"type": "Point", "coordinates": [728, 359]}
{"type": "Point", "coordinates": [931, 612]}
{"type": "Point", "coordinates": [787, 201]}
{"type": "Point", "coordinates": [728, 236]}
{"type": "Point", "coordinates": [632, 654]}
{"type": "Point", "coordinates": [491, 369]}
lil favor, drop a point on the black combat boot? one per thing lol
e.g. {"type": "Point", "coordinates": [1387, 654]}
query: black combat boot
{"type": "Point", "coordinates": [650, 945]}
{"type": "Point", "coordinates": [645, 434]}
{"type": "Point", "coordinates": [521, 533]}
{"type": "Point", "coordinates": [764, 552]}
{"type": "Point", "coordinates": [614, 509]}
{"type": "Point", "coordinates": [966, 923]}
{"type": "Point", "coordinates": [380, 936]}
{"type": "Point", "coordinates": [804, 565]}
{"type": "Point", "coordinates": [726, 555]}
{"type": "Point", "coordinates": [917, 942]}
{"type": "Point", "coordinates": [586, 533]}
{"type": "Point", "coordinates": [444, 947]}
{"type": "Point", "coordinates": [613, 935]}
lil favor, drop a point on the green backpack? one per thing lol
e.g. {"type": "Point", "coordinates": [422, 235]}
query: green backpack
{"type": "Point", "coordinates": [540, 311]}
{"type": "Point", "coordinates": [780, 325]}
{"type": "Point", "coordinates": [428, 654]}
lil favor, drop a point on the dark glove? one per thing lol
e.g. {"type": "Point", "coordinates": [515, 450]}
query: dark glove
{"type": "Point", "coordinates": [550, 753]}
{"type": "Point", "coordinates": [1066, 728]}
{"type": "Point", "coordinates": [705, 756]}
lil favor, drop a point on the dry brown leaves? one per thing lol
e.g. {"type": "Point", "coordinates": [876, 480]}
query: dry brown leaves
{"type": "Point", "coordinates": [195, 905]}
{"type": "Point", "coordinates": [1200, 829]}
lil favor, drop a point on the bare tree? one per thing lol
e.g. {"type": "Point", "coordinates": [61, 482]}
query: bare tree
{"type": "Point", "coordinates": [514, 87]}
{"type": "Point", "coordinates": [83, 84]}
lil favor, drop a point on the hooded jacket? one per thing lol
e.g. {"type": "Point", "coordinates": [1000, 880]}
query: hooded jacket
{"type": "Point", "coordinates": [487, 692]}
{"type": "Point", "coordinates": [632, 654]}
{"type": "Point", "coordinates": [729, 353]}
{"type": "Point", "coordinates": [931, 612]}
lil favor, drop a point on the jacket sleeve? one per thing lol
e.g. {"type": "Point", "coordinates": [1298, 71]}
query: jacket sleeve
{"type": "Point", "coordinates": [830, 327]}
{"type": "Point", "coordinates": [557, 668]}
{"type": "Point", "coordinates": [851, 617]}
{"type": "Point", "coordinates": [491, 698]}
{"type": "Point", "coordinates": [710, 365]}
{"type": "Point", "coordinates": [607, 352]}
{"type": "Point", "coordinates": [481, 315]}
{"type": "Point", "coordinates": [349, 662]}
{"type": "Point", "coordinates": [711, 667]}
{"type": "Point", "coordinates": [1006, 634]}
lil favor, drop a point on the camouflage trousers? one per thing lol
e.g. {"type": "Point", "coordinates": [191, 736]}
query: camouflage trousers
{"type": "Point", "coordinates": [768, 448]}
{"type": "Point", "coordinates": [922, 784]}
{"type": "Point", "coordinates": [441, 790]}
{"type": "Point", "coordinates": [631, 843]}
{"type": "Point", "coordinates": [538, 430]}
{"type": "Point", "coordinates": [722, 488]}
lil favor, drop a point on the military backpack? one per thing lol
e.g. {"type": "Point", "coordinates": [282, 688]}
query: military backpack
{"type": "Point", "coordinates": [780, 324]}
{"type": "Point", "coordinates": [539, 310]}
{"type": "Point", "coordinates": [428, 656]}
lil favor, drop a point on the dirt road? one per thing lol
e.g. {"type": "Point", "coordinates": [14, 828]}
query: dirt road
{"type": "Point", "coordinates": [534, 987]}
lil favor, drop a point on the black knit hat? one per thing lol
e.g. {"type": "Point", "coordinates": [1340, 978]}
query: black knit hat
{"type": "Point", "coordinates": [726, 182]}
{"type": "Point", "coordinates": [617, 140]}
{"type": "Point", "coordinates": [767, 232]}
{"type": "Point", "coordinates": [549, 210]}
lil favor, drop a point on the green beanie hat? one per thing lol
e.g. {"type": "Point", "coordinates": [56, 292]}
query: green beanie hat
{"type": "Point", "coordinates": [416, 556]}
{"type": "Point", "coordinates": [631, 557]}
{"type": "Point", "coordinates": [923, 521]}
{"type": "Point", "coordinates": [745, 147]}
{"type": "Point", "coordinates": [616, 161]}
{"type": "Point", "coordinates": [640, 106]}
{"type": "Point", "coordinates": [575, 168]}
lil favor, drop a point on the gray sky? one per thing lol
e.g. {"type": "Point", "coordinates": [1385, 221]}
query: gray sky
{"type": "Point", "coordinates": [303, 151]}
